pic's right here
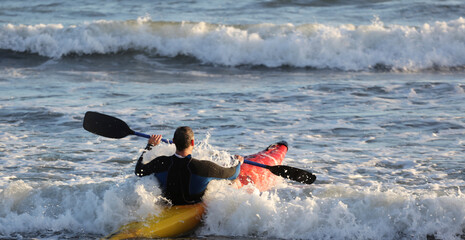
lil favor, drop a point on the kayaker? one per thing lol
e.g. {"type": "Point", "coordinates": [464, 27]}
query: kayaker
{"type": "Point", "coordinates": [183, 179]}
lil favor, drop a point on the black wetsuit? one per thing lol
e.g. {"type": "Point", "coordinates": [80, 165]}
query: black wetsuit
{"type": "Point", "coordinates": [184, 180]}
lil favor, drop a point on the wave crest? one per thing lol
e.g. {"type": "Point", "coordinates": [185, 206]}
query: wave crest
{"type": "Point", "coordinates": [345, 47]}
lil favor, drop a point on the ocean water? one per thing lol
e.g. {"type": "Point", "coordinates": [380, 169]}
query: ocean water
{"type": "Point", "coordinates": [369, 94]}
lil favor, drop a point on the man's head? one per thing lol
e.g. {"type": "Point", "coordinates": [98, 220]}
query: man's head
{"type": "Point", "coordinates": [183, 138]}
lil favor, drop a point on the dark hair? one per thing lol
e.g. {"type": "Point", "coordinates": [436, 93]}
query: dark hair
{"type": "Point", "coordinates": [182, 137]}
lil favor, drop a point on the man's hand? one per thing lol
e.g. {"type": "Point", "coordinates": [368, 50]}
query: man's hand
{"type": "Point", "coordinates": [155, 140]}
{"type": "Point", "coordinates": [240, 158]}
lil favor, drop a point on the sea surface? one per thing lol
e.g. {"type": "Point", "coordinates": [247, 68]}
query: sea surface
{"type": "Point", "coordinates": [369, 94]}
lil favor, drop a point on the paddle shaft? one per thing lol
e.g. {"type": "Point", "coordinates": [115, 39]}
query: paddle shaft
{"type": "Point", "coordinates": [148, 136]}
{"type": "Point", "coordinates": [256, 164]}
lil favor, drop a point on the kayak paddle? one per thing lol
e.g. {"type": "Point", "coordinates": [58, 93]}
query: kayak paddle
{"type": "Point", "coordinates": [112, 127]}
{"type": "Point", "coordinates": [291, 173]}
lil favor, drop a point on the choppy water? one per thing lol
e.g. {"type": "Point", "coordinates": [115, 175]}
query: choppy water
{"type": "Point", "coordinates": [369, 95]}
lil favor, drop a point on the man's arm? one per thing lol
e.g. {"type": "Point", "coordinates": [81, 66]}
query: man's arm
{"type": "Point", "coordinates": [212, 170]}
{"type": "Point", "coordinates": [147, 169]}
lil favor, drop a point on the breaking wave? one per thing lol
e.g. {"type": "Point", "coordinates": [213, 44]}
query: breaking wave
{"type": "Point", "coordinates": [345, 47]}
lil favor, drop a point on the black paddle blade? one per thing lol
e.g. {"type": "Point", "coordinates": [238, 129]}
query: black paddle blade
{"type": "Point", "coordinates": [106, 126]}
{"type": "Point", "coordinates": [292, 173]}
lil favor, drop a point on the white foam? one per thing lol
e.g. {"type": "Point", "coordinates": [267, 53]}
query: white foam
{"type": "Point", "coordinates": [335, 212]}
{"type": "Point", "coordinates": [95, 207]}
{"type": "Point", "coordinates": [345, 47]}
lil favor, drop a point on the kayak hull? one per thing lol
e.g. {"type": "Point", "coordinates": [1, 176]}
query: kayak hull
{"type": "Point", "coordinates": [177, 221]}
{"type": "Point", "coordinates": [171, 222]}
{"type": "Point", "coordinates": [262, 178]}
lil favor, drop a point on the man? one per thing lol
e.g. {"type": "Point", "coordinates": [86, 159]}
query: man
{"type": "Point", "coordinates": [183, 179]}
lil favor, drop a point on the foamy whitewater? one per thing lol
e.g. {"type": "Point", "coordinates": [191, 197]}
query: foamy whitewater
{"type": "Point", "coordinates": [368, 94]}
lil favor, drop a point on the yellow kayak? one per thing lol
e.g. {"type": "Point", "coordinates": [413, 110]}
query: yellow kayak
{"type": "Point", "coordinates": [171, 222]}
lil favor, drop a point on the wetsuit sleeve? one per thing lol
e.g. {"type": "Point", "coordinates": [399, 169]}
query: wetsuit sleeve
{"type": "Point", "coordinates": [209, 169]}
{"type": "Point", "coordinates": [144, 169]}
